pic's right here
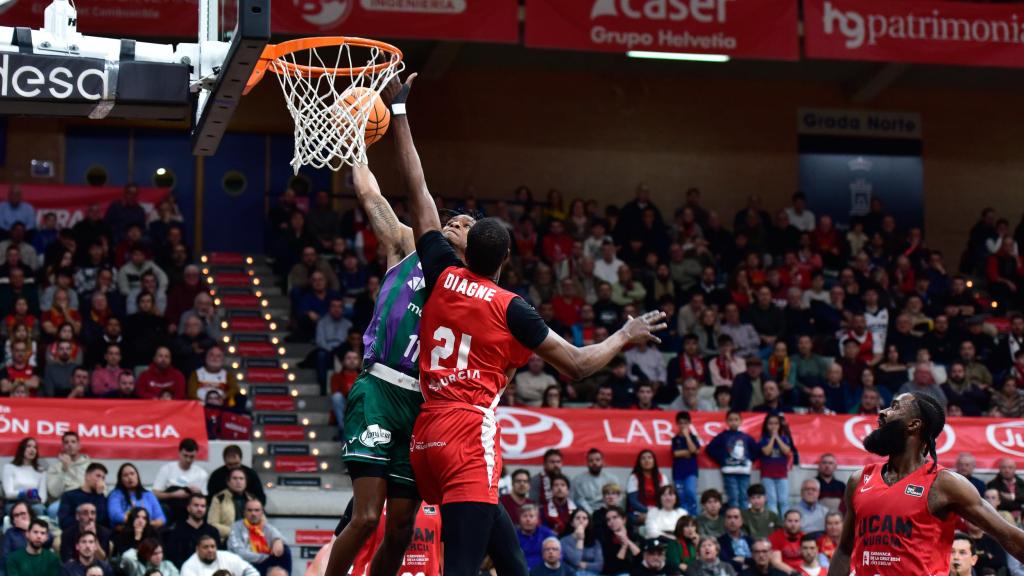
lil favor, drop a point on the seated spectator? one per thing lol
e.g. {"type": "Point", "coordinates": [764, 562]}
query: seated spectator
{"type": "Point", "coordinates": [743, 335]}
{"type": "Point", "coordinates": [137, 529]}
{"type": "Point", "coordinates": [532, 534]}
{"type": "Point", "coordinates": [786, 544]}
{"type": "Point", "coordinates": [66, 472]}
{"type": "Point", "coordinates": [125, 388]}
{"type": "Point", "coordinates": [969, 396]}
{"type": "Point", "coordinates": [176, 482]}
{"type": "Point", "coordinates": [107, 285]}
{"type": "Point", "coordinates": [213, 376]}
{"type": "Point", "coordinates": [580, 548]}
{"type": "Point", "coordinates": [65, 333]}
{"type": "Point", "coordinates": [128, 494]}
{"type": "Point", "coordinates": [85, 557]}
{"type": "Point", "coordinates": [13, 263]}
{"type": "Point", "coordinates": [343, 380]}
{"type": "Point", "coordinates": [148, 556]}
{"type": "Point", "coordinates": [828, 542]}
{"type": "Point", "coordinates": [161, 377]}
{"type": "Point", "coordinates": [618, 543]}
{"type": "Point", "coordinates": [181, 295]}
{"type": "Point", "coordinates": [228, 505]}
{"type": "Point", "coordinates": [84, 521]}
{"type": "Point", "coordinates": [532, 382]}
{"type": "Point", "coordinates": [559, 507]}
{"type": "Point", "coordinates": [35, 558]}
{"type": "Point", "coordinates": [148, 284]}
{"type": "Point", "coordinates": [300, 276]}
{"type": "Point", "coordinates": [311, 305]}
{"type": "Point", "coordinates": [89, 268]}
{"type": "Point", "coordinates": [183, 537]}
{"type": "Point", "coordinates": [758, 520]}
{"type": "Point", "coordinates": [24, 478]}
{"type": "Point", "coordinates": [1008, 400]}
{"type": "Point", "coordinates": [627, 290]}
{"type": "Point", "coordinates": [15, 211]}
{"type": "Point", "coordinates": [97, 343]}
{"type": "Point", "coordinates": [218, 480]}
{"type": "Point", "coordinates": [21, 335]}
{"type": "Point", "coordinates": [202, 308]}
{"type": "Point", "coordinates": [519, 495]}
{"type": "Point", "coordinates": [747, 386]}
{"type": "Point", "coordinates": [331, 335]}
{"type": "Point", "coordinates": [21, 315]}
{"type": "Point", "coordinates": [190, 346]}
{"type": "Point", "coordinates": [644, 397]}
{"type": "Point", "coordinates": [91, 491]}
{"type": "Point", "coordinates": [812, 512]}
{"type": "Point", "coordinates": [125, 213]}
{"type": "Point", "coordinates": [725, 367]}
{"type": "Point", "coordinates": [19, 371]}
{"type": "Point", "coordinates": [207, 561]}
{"type": "Point", "coordinates": [710, 522]}
{"type": "Point", "coordinates": [646, 364]}
{"type": "Point", "coordinates": [64, 281]}
{"type": "Point", "coordinates": [104, 378]}
{"type": "Point", "coordinates": [258, 542]}
{"type": "Point", "coordinates": [735, 544]}
{"type": "Point", "coordinates": [129, 276]}
{"type": "Point", "coordinates": [643, 485]}
{"type": "Point", "coordinates": [661, 520]}
{"type": "Point", "coordinates": [709, 561]}
{"type": "Point", "coordinates": [924, 382]}
{"type": "Point", "coordinates": [144, 331]}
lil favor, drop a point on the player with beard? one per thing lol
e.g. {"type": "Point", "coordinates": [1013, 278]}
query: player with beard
{"type": "Point", "coordinates": [901, 514]}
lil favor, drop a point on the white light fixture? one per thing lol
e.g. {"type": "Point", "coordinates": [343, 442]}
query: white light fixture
{"type": "Point", "coordinates": [687, 56]}
{"type": "Point", "coordinates": [161, 171]}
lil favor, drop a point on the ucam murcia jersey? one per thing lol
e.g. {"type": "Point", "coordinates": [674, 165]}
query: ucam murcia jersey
{"type": "Point", "coordinates": [895, 533]}
{"type": "Point", "coordinates": [468, 349]}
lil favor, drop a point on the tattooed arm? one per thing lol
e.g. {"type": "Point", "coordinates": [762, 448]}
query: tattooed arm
{"type": "Point", "coordinates": [393, 235]}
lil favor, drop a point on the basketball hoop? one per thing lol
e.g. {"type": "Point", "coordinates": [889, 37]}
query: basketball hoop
{"type": "Point", "coordinates": [320, 78]}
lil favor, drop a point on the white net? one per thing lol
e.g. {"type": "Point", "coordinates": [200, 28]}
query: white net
{"type": "Point", "coordinates": [332, 95]}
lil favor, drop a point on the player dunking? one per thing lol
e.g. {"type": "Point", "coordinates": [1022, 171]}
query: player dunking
{"type": "Point", "coordinates": [901, 514]}
{"type": "Point", "coordinates": [474, 336]}
{"type": "Point", "coordinates": [385, 399]}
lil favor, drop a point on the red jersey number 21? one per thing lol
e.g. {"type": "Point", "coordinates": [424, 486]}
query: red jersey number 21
{"type": "Point", "coordinates": [446, 339]}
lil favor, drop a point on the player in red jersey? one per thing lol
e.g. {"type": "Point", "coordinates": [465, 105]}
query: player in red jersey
{"type": "Point", "coordinates": [901, 515]}
{"type": "Point", "coordinates": [474, 335]}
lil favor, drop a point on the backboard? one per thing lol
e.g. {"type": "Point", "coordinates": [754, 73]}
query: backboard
{"type": "Point", "coordinates": [57, 71]}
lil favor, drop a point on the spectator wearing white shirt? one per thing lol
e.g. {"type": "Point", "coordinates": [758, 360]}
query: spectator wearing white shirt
{"type": "Point", "coordinates": [208, 560]}
{"type": "Point", "coordinates": [799, 216]}
{"type": "Point", "coordinates": [646, 364]}
{"type": "Point", "coordinates": [24, 478]}
{"type": "Point", "coordinates": [661, 521]}
{"type": "Point", "coordinates": [531, 383]}
{"type": "Point", "coordinates": [607, 266]}
{"type": "Point", "coordinates": [176, 482]}
{"type": "Point", "coordinates": [598, 238]}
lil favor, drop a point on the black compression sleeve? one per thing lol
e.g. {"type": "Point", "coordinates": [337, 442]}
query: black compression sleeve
{"type": "Point", "coordinates": [525, 324]}
{"type": "Point", "coordinates": [436, 254]}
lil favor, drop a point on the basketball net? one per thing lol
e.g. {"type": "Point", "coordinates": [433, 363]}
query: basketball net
{"type": "Point", "coordinates": [330, 130]}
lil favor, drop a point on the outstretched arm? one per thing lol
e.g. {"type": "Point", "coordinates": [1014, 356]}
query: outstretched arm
{"type": "Point", "coordinates": [840, 563]}
{"type": "Point", "coordinates": [957, 495]}
{"type": "Point", "coordinates": [395, 236]}
{"type": "Point", "coordinates": [422, 209]}
{"type": "Point", "coordinates": [582, 362]}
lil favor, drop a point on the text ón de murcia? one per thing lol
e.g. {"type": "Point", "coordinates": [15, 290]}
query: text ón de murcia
{"type": "Point", "coordinates": [23, 426]}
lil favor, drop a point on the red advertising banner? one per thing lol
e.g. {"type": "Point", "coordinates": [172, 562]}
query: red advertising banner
{"type": "Point", "coordinates": [764, 29]}
{"type": "Point", "coordinates": [621, 434]}
{"type": "Point", "coordinates": [925, 31]}
{"type": "Point", "coordinates": [122, 429]}
{"type": "Point", "coordinates": [70, 203]}
{"type": "Point", "coordinates": [480, 20]}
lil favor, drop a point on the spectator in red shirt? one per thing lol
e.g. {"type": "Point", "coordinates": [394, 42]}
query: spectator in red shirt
{"type": "Point", "coordinates": [559, 509]}
{"type": "Point", "coordinates": [341, 383]}
{"type": "Point", "coordinates": [1003, 271]}
{"type": "Point", "coordinates": [786, 544]}
{"type": "Point", "coordinates": [519, 495]}
{"type": "Point", "coordinates": [19, 371]}
{"type": "Point", "coordinates": [557, 244]}
{"type": "Point", "coordinates": [567, 304]}
{"type": "Point", "coordinates": [161, 376]}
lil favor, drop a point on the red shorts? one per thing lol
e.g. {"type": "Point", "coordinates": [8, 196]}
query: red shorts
{"type": "Point", "coordinates": [455, 455]}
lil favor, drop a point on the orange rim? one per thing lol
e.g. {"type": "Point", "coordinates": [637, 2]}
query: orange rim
{"type": "Point", "coordinates": [270, 59]}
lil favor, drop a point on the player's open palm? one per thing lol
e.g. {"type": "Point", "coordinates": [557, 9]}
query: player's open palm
{"type": "Point", "coordinates": [643, 327]}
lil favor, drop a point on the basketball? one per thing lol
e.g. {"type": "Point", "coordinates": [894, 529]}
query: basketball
{"type": "Point", "coordinates": [359, 100]}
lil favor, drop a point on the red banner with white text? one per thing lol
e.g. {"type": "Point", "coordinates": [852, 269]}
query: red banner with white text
{"type": "Point", "coordinates": [120, 429]}
{"type": "Point", "coordinates": [923, 31]}
{"type": "Point", "coordinates": [70, 203]}
{"type": "Point", "coordinates": [527, 432]}
{"type": "Point", "coordinates": [765, 29]}
{"type": "Point", "coordinates": [481, 20]}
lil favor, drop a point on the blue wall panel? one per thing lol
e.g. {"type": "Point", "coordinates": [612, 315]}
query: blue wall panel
{"type": "Point", "coordinates": [281, 150]}
{"type": "Point", "coordinates": [107, 147]}
{"type": "Point", "coordinates": [235, 222]}
{"type": "Point", "coordinates": [172, 151]}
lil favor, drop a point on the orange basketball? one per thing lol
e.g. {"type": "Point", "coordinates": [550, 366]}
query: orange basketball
{"type": "Point", "coordinates": [365, 100]}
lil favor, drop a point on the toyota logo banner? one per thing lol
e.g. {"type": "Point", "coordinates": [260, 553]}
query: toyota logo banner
{"type": "Point", "coordinates": [527, 432]}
